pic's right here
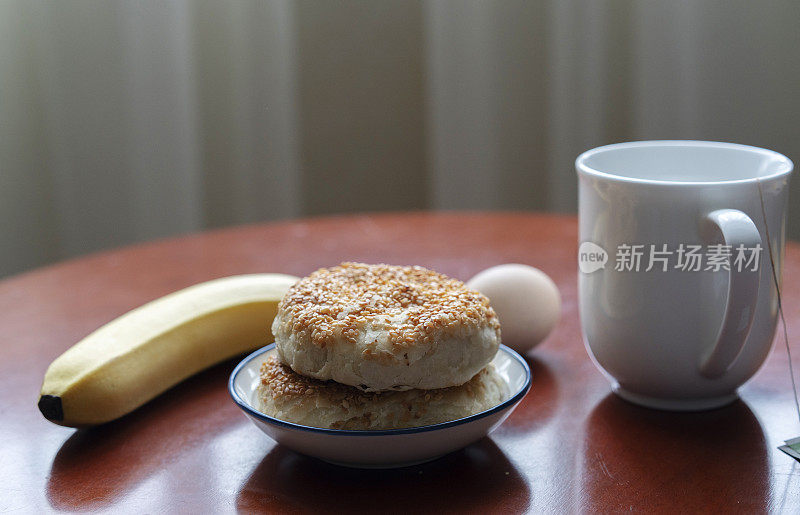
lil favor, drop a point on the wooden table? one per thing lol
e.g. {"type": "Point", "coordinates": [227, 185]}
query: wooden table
{"type": "Point", "coordinates": [570, 445]}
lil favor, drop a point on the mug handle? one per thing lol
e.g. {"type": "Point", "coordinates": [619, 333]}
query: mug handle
{"type": "Point", "coordinates": [737, 229]}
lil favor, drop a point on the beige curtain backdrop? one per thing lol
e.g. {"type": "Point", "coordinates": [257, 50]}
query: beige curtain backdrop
{"type": "Point", "coordinates": [123, 121]}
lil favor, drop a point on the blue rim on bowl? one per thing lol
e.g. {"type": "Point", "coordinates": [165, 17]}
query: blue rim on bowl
{"type": "Point", "coordinates": [244, 405]}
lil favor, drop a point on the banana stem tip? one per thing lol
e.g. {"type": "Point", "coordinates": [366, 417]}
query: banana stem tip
{"type": "Point", "coordinates": [50, 406]}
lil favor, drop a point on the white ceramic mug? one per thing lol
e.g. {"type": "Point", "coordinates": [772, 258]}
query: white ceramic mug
{"type": "Point", "coordinates": [675, 336]}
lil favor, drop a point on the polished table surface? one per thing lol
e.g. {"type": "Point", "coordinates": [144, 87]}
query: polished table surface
{"type": "Point", "coordinates": [570, 446]}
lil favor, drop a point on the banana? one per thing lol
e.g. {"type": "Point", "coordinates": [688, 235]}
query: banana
{"type": "Point", "coordinates": [144, 352]}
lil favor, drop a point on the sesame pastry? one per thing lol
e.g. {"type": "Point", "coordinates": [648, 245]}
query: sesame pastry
{"type": "Point", "coordinates": [288, 396]}
{"type": "Point", "coordinates": [385, 327]}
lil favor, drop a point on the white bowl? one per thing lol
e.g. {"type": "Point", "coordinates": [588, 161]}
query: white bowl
{"type": "Point", "coordinates": [380, 449]}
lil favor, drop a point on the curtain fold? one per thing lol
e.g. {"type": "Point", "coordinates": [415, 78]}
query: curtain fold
{"type": "Point", "coordinates": [123, 121]}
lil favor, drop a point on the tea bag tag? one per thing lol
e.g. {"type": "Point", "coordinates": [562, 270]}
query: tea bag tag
{"type": "Point", "coordinates": [792, 448]}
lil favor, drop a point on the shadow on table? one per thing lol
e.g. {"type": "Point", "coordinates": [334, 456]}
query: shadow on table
{"type": "Point", "coordinates": [477, 479]}
{"type": "Point", "coordinates": [97, 466]}
{"type": "Point", "coordinates": [648, 460]}
{"type": "Point", "coordinates": [538, 405]}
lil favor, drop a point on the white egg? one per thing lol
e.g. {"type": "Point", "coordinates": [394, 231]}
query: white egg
{"type": "Point", "coordinates": [525, 299]}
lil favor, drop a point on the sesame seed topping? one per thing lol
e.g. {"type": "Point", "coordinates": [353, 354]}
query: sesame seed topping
{"type": "Point", "coordinates": [412, 303]}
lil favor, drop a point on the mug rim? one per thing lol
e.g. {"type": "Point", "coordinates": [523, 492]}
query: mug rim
{"type": "Point", "coordinates": [786, 166]}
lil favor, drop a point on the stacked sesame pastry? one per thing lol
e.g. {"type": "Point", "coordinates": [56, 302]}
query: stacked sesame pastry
{"type": "Point", "coordinates": [381, 347]}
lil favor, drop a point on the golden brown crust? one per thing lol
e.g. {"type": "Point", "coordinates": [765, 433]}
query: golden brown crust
{"type": "Point", "coordinates": [289, 396]}
{"type": "Point", "coordinates": [416, 305]}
